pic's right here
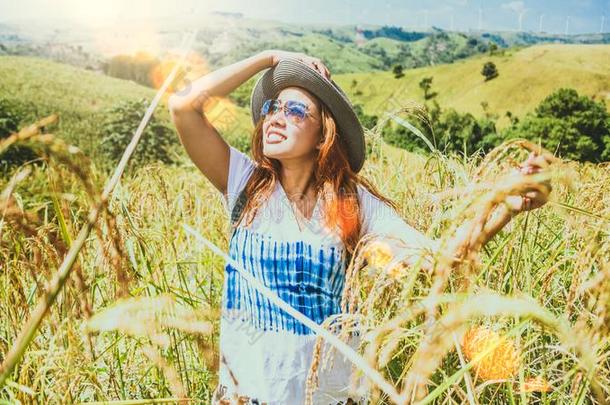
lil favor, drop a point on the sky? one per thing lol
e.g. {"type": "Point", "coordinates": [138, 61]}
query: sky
{"type": "Point", "coordinates": [554, 16]}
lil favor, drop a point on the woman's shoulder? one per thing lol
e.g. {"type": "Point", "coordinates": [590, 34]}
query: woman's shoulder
{"type": "Point", "coordinates": [375, 213]}
{"type": "Point", "coordinates": [369, 202]}
{"type": "Point", "coordinates": [239, 161]}
{"type": "Point", "coordinates": [381, 219]}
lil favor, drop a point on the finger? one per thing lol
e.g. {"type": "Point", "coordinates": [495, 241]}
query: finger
{"type": "Point", "coordinates": [541, 161]}
{"type": "Point", "coordinates": [529, 169]}
{"type": "Point", "coordinates": [327, 72]}
{"type": "Point", "coordinates": [529, 194]}
{"type": "Point", "coordinates": [537, 198]}
{"type": "Point", "coordinates": [323, 68]}
{"type": "Point", "coordinates": [531, 160]}
{"type": "Point", "coordinates": [320, 67]}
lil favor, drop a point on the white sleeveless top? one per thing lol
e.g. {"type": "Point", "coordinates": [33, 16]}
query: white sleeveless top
{"type": "Point", "coordinates": [266, 353]}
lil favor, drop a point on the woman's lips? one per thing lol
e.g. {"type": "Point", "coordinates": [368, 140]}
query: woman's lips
{"type": "Point", "coordinates": [274, 137]}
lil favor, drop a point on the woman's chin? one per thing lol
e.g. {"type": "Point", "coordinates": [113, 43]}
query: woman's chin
{"type": "Point", "coordinates": [275, 151]}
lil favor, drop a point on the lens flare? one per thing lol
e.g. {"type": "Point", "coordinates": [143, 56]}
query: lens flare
{"type": "Point", "coordinates": [494, 356]}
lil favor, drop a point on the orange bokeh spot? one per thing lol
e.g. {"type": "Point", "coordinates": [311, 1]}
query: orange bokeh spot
{"type": "Point", "coordinates": [343, 212]}
{"type": "Point", "coordinates": [194, 66]}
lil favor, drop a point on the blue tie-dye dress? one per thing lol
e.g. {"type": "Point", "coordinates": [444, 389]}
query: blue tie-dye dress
{"type": "Point", "coordinates": [266, 353]}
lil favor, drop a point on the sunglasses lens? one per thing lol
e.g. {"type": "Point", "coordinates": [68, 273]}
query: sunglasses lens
{"type": "Point", "coordinates": [297, 110]}
{"type": "Point", "coordinates": [294, 110]}
{"type": "Point", "coordinates": [268, 106]}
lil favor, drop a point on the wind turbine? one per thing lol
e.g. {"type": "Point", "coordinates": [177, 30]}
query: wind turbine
{"type": "Point", "coordinates": [568, 25]}
{"type": "Point", "coordinates": [540, 23]}
{"type": "Point", "coordinates": [521, 14]}
{"type": "Point", "coordinates": [601, 28]}
{"type": "Point", "coordinates": [388, 12]}
{"type": "Point", "coordinates": [452, 25]}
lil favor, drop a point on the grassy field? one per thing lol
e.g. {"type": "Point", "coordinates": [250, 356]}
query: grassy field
{"type": "Point", "coordinates": [539, 289]}
{"type": "Point", "coordinates": [526, 77]}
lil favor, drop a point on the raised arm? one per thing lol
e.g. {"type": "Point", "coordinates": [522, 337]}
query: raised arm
{"type": "Point", "coordinates": [408, 244]}
{"type": "Point", "coordinates": [389, 238]}
{"type": "Point", "coordinates": [202, 142]}
{"type": "Point", "coordinates": [204, 145]}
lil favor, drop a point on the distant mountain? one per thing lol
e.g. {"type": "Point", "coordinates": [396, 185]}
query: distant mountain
{"type": "Point", "coordinates": [59, 41]}
{"type": "Point", "coordinates": [509, 38]}
{"type": "Point", "coordinates": [225, 38]}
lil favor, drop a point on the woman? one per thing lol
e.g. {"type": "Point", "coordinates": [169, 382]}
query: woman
{"type": "Point", "coordinates": [298, 208]}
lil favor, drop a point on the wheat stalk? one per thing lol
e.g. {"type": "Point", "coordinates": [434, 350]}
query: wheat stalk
{"type": "Point", "coordinates": [59, 278]}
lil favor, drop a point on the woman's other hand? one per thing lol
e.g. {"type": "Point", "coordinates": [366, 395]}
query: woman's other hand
{"type": "Point", "coordinates": [534, 198]}
{"type": "Point", "coordinates": [275, 55]}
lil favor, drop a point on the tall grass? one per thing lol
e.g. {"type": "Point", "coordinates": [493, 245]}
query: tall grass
{"type": "Point", "coordinates": [138, 319]}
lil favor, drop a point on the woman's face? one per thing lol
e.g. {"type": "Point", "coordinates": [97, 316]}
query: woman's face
{"type": "Point", "coordinates": [284, 138]}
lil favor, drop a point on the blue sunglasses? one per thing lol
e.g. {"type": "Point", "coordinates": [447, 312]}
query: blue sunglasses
{"type": "Point", "coordinates": [295, 111]}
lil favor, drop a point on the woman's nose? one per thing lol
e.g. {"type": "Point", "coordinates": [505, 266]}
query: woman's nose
{"type": "Point", "coordinates": [278, 116]}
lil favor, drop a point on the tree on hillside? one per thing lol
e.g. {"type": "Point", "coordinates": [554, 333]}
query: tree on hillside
{"type": "Point", "coordinates": [9, 121]}
{"type": "Point", "coordinates": [119, 125]}
{"type": "Point", "coordinates": [574, 126]}
{"type": "Point", "coordinates": [487, 113]}
{"type": "Point", "coordinates": [16, 155]}
{"type": "Point", "coordinates": [493, 48]}
{"type": "Point", "coordinates": [426, 85]}
{"type": "Point", "coordinates": [514, 120]}
{"type": "Point", "coordinates": [462, 133]}
{"type": "Point", "coordinates": [448, 130]}
{"type": "Point", "coordinates": [138, 67]}
{"type": "Point", "coordinates": [489, 71]}
{"type": "Point", "coordinates": [367, 121]}
{"type": "Point", "coordinates": [397, 70]}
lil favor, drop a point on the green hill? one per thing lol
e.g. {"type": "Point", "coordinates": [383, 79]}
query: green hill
{"type": "Point", "coordinates": [338, 56]}
{"type": "Point", "coordinates": [79, 96]}
{"type": "Point", "coordinates": [39, 87]}
{"type": "Point", "coordinates": [526, 76]}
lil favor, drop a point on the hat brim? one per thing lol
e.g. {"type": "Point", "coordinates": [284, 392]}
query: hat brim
{"type": "Point", "coordinates": [293, 72]}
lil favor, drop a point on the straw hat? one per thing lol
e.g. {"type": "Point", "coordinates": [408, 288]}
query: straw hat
{"type": "Point", "coordinates": [293, 72]}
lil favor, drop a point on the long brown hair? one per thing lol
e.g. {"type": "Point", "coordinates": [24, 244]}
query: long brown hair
{"type": "Point", "coordinates": [333, 180]}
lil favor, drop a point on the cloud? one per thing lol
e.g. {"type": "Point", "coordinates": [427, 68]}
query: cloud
{"type": "Point", "coordinates": [516, 6]}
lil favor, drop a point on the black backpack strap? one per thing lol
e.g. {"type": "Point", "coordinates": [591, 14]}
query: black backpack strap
{"type": "Point", "coordinates": [238, 208]}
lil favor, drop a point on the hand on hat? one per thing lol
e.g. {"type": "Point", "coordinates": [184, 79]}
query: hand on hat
{"type": "Point", "coordinates": [315, 63]}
